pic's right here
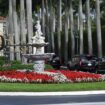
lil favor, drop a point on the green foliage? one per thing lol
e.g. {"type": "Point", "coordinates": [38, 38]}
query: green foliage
{"type": "Point", "coordinates": [48, 67]}
{"type": "Point", "coordinates": [3, 7]}
{"type": "Point", "coordinates": [103, 39]}
{"type": "Point", "coordinates": [14, 65]}
{"type": "Point", "coordinates": [85, 41]}
{"type": "Point", "coordinates": [15, 62]}
{"type": "Point", "coordinates": [2, 60]}
{"type": "Point", "coordinates": [2, 63]}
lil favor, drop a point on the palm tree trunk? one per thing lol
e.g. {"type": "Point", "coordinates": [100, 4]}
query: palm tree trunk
{"type": "Point", "coordinates": [81, 26]}
{"type": "Point", "coordinates": [17, 48]}
{"type": "Point", "coordinates": [72, 29]}
{"type": "Point", "coordinates": [98, 24]}
{"type": "Point", "coordinates": [11, 39]}
{"type": "Point", "coordinates": [43, 17]}
{"type": "Point", "coordinates": [47, 26]}
{"type": "Point", "coordinates": [66, 36]}
{"type": "Point", "coordinates": [22, 28]}
{"type": "Point", "coordinates": [89, 27]}
{"type": "Point", "coordinates": [54, 20]}
{"type": "Point", "coordinates": [29, 22]}
{"type": "Point", "coordinates": [22, 22]}
{"type": "Point", "coordinates": [51, 25]}
{"type": "Point", "coordinates": [59, 27]}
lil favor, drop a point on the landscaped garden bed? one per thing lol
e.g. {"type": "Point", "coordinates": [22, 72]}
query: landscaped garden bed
{"type": "Point", "coordinates": [49, 76]}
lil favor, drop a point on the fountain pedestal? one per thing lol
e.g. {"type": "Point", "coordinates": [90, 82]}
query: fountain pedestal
{"type": "Point", "coordinates": [39, 60]}
{"type": "Point", "coordinates": [39, 65]}
{"type": "Point", "coordinates": [38, 55]}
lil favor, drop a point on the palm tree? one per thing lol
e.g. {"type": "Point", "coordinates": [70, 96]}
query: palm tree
{"type": "Point", "coordinates": [81, 26]}
{"type": "Point", "coordinates": [51, 25]}
{"type": "Point", "coordinates": [22, 22]}
{"type": "Point", "coordinates": [98, 24]}
{"type": "Point", "coordinates": [16, 35]}
{"type": "Point", "coordinates": [66, 33]}
{"type": "Point", "coordinates": [48, 36]}
{"type": "Point", "coordinates": [29, 22]}
{"type": "Point", "coordinates": [11, 39]}
{"type": "Point", "coordinates": [43, 17]}
{"type": "Point", "coordinates": [59, 28]}
{"type": "Point", "coordinates": [22, 26]}
{"type": "Point", "coordinates": [72, 29]}
{"type": "Point", "coordinates": [89, 27]}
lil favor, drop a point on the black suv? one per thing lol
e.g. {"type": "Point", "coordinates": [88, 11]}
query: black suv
{"type": "Point", "coordinates": [101, 65]}
{"type": "Point", "coordinates": [83, 63]}
{"type": "Point", "coordinates": [55, 62]}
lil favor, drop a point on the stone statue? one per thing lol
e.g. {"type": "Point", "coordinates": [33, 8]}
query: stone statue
{"type": "Point", "coordinates": [38, 28]}
{"type": "Point", "coordinates": [38, 44]}
{"type": "Point", "coordinates": [38, 38]}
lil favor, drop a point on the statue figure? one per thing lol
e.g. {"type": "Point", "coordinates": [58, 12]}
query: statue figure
{"type": "Point", "coordinates": [38, 38]}
{"type": "Point", "coordinates": [38, 28]}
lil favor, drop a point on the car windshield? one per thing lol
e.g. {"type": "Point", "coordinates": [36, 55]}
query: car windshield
{"type": "Point", "coordinates": [84, 60]}
{"type": "Point", "coordinates": [91, 58]}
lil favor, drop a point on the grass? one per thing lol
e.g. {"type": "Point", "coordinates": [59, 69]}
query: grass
{"type": "Point", "coordinates": [25, 87]}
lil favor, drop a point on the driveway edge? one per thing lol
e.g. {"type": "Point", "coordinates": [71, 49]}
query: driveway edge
{"type": "Point", "coordinates": [51, 93]}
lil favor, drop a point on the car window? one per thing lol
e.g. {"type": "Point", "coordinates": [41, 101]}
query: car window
{"type": "Point", "coordinates": [84, 60]}
{"type": "Point", "coordinates": [74, 59]}
{"type": "Point", "coordinates": [89, 57]}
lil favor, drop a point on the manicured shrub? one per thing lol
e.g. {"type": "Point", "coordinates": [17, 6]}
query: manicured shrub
{"type": "Point", "coordinates": [15, 62]}
{"type": "Point", "coordinates": [18, 65]}
{"type": "Point", "coordinates": [85, 42]}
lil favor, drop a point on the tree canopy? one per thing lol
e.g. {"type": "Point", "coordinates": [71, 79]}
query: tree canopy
{"type": "Point", "coordinates": [3, 7]}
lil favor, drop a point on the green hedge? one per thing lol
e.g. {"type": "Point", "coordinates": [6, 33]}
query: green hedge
{"type": "Point", "coordinates": [13, 65]}
{"type": "Point", "coordinates": [85, 42]}
{"type": "Point", "coordinates": [23, 66]}
{"type": "Point", "coordinates": [94, 41]}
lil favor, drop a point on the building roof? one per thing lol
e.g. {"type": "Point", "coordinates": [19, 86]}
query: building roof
{"type": "Point", "coordinates": [2, 18]}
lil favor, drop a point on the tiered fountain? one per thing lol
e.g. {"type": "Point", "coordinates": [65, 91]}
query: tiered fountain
{"type": "Point", "coordinates": [38, 55]}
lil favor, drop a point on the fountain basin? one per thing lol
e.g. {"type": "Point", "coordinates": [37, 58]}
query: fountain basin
{"type": "Point", "coordinates": [39, 60]}
{"type": "Point", "coordinates": [37, 44]}
{"type": "Point", "coordinates": [38, 56]}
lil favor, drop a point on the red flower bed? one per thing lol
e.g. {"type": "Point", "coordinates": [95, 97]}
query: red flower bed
{"type": "Point", "coordinates": [17, 76]}
{"type": "Point", "coordinates": [49, 76]}
{"type": "Point", "coordinates": [80, 76]}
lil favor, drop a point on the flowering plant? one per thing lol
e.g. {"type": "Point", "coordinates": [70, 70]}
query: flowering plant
{"type": "Point", "coordinates": [52, 76]}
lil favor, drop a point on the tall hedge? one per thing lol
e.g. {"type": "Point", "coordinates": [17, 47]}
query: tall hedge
{"type": "Point", "coordinates": [85, 41]}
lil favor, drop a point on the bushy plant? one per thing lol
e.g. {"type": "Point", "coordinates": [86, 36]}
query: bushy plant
{"type": "Point", "coordinates": [15, 62]}
{"type": "Point", "coordinates": [14, 65]}
{"type": "Point", "coordinates": [48, 67]}
{"type": "Point", "coordinates": [2, 60]}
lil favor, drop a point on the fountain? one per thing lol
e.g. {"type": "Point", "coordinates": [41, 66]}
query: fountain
{"type": "Point", "coordinates": [38, 55]}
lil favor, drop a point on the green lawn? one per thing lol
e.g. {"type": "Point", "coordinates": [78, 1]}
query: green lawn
{"type": "Point", "coordinates": [22, 87]}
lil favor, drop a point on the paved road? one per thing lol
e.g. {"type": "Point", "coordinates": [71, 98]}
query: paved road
{"type": "Point", "coordinates": [98, 99]}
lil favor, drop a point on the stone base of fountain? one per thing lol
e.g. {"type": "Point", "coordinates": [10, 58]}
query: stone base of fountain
{"type": "Point", "coordinates": [39, 65]}
{"type": "Point", "coordinates": [39, 60]}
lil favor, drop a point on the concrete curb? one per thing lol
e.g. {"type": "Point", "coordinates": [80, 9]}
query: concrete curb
{"type": "Point", "coordinates": [51, 93]}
